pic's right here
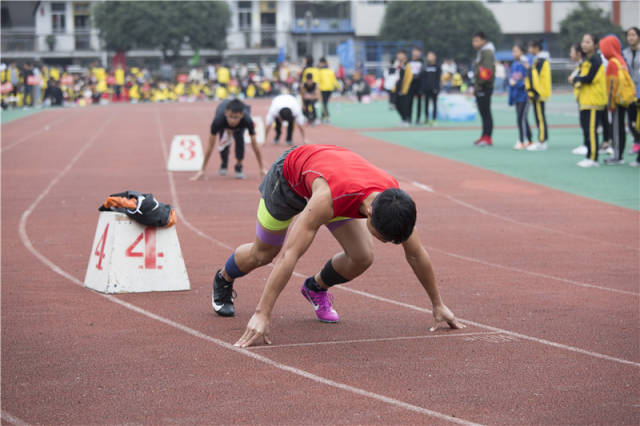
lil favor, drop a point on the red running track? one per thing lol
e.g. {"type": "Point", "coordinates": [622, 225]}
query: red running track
{"type": "Point", "coordinates": [547, 283]}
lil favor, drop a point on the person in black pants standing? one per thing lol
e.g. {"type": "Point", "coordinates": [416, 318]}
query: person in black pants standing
{"type": "Point", "coordinates": [484, 77]}
{"type": "Point", "coordinates": [415, 89]}
{"type": "Point", "coordinates": [431, 86]}
{"type": "Point", "coordinates": [403, 84]}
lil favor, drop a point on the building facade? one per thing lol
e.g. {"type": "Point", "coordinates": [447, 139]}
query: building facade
{"type": "Point", "coordinates": [259, 31]}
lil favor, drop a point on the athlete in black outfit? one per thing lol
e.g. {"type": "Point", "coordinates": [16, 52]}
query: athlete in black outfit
{"type": "Point", "coordinates": [231, 119]}
{"type": "Point", "coordinates": [415, 89]}
{"type": "Point", "coordinates": [431, 85]}
{"type": "Point", "coordinates": [310, 94]}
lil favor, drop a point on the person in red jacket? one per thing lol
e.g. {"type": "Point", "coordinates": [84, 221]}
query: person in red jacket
{"type": "Point", "coordinates": [331, 186]}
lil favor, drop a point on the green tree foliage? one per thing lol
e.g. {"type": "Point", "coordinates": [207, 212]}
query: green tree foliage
{"type": "Point", "coordinates": [168, 26]}
{"type": "Point", "coordinates": [444, 27]}
{"type": "Point", "coordinates": [586, 19]}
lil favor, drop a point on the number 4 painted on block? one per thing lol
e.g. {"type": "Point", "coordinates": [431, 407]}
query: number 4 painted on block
{"type": "Point", "coordinates": [100, 247]}
{"type": "Point", "coordinates": [149, 253]}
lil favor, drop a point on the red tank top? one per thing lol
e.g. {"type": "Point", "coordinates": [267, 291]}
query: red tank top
{"type": "Point", "coordinates": [351, 178]}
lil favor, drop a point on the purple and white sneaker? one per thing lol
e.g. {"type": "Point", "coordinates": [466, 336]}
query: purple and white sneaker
{"type": "Point", "coordinates": [321, 301]}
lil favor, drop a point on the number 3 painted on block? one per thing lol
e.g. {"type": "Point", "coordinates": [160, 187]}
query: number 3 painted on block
{"type": "Point", "coordinates": [188, 152]}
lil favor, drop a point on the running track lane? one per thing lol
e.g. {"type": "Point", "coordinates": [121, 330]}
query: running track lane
{"type": "Point", "coordinates": [295, 325]}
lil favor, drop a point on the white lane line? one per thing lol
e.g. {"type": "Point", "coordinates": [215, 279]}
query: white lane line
{"type": "Point", "coordinates": [377, 340]}
{"type": "Point", "coordinates": [27, 243]}
{"type": "Point", "coordinates": [523, 271]}
{"type": "Point", "coordinates": [422, 186]}
{"type": "Point", "coordinates": [45, 127]}
{"type": "Point", "coordinates": [383, 299]}
{"type": "Point", "coordinates": [13, 419]}
{"type": "Point", "coordinates": [535, 274]}
{"type": "Point", "coordinates": [496, 329]}
{"type": "Point", "coordinates": [511, 220]}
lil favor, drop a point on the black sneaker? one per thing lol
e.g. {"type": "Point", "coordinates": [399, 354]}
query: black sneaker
{"type": "Point", "coordinates": [222, 296]}
{"type": "Point", "coordinates": [239, 174]}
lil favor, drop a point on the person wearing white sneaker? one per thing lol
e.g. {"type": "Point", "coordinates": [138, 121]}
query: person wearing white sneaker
{"type": "Point", "coordinates": [576, 55]}
{"type": "Point", "coordinates": [580, 150]}
{"type": "Point", "coordinates": [592, 97]}
{"type": "Point", "coordinates": [588, 163]}
{"type": "Point", "coordinates": [537, 146]}
{"type": "Point", "coordinates": [518, 96]}
{"type": "Point", "coordinates": [621, 94]}
{"type": "Point", "coordinates": [538, 84]}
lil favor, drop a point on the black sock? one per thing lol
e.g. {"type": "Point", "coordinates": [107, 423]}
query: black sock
{"type": "Point", "coordinates": [311, 284]}
{"type": "Point", "coordinates": [222, 278]}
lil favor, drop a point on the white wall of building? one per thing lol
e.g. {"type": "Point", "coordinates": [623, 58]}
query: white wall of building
{"type": "Point", "coordinates": [528, 17]}
{"type": "Point", "coordinates": [366, 18]}
{"type": "Point", "coordinates": [518, 18]}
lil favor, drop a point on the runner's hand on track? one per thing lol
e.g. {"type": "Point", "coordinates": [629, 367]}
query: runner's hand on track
{"type": "Point", "coordinates": [440, 314]}
{"type": "Point", "coordinates": [263, 173]}
{"type": "Point", "coordinates": [258, 327]}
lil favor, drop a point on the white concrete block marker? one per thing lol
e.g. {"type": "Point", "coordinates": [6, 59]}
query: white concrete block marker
{"type": "Point", "coordinates": [259, 126]}
{"type": "Point", "coordinates": [186, 154]}
{"type": "Point", "coordinates": [127, 257]}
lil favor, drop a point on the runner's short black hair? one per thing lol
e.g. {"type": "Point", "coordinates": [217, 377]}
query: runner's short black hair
{"type": "Point", "coordinates": [235, 105]}
{"type": "Point", "coordinates": [308, 76]}
{"type": "Point", "coordinates": [480, 34]}
{"type": "Point", "coordinates": [393, 215]}
{"type": "Point", "coordinates": [286, 114]}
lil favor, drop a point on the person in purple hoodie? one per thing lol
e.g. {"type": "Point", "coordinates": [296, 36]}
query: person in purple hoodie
{"type": "Point", "coordinates": [518, 96]}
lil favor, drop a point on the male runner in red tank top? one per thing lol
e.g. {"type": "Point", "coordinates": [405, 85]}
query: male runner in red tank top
{"type": "Point", "coordinates": [331, 186]}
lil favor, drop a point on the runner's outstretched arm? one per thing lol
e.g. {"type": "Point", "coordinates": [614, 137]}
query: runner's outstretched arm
{"type": "Point", "coordinates": [212, 143]}
{"type": "Point", "coordinates": [419, 260]}
{"type": "Point", "coordinates": [256, 150]}
{"type": "Point", "coordinates": [318, 211]}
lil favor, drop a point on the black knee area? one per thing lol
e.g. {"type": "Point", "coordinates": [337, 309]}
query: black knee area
{"type": "Point", "coordinates": [330, 276]}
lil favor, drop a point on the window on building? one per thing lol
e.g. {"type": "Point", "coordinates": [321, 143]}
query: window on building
{"type": "Point", "coordinates": [6, 18]}
{"type": "Point", "coordinates": [58, 18]}
{"type": "Point", "coordinates": [330, 48]}
{"type": "Point", "coordinates": [323, 10]}
{"type": "Point", "coordinates": [244, 15]}
{"type": "Point", "coordinates": [301, 48]}
{"type": "Point", "coordinates": [81, 16]}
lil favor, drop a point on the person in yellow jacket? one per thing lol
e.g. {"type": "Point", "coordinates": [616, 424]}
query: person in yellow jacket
{"type": "Point", "coordinates": [327, 82]}
{"type": "Point", "coordinates": [134, 92]}
{"type": "Point", "coordinates": [592, 97]}
{"type": "Point", "coordinates": [538, 85]}
{"type": "Point", "coordinates": [224, 76]}
{"type": "Point", "coordinates": [621, 93]}
{"type": "Point", "coordinates": [309, 68]}
{"type": "Point", "coordinates": [119, 79]}
{"type": "Point", "coordinates": [405, 77]}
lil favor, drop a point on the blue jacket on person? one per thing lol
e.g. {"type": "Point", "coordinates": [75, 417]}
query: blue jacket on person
{"type": "Point", "coordinates": [517, 74]}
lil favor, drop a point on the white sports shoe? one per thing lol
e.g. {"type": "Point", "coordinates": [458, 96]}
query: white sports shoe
{"type": "Point", "coordinates": [537, 146]}
{"type": "Point", "coordinates": [588, 163]}
{"type": "Point", "coordinates": [580, 150]}
{"type": "Point", "coordinates": [634, 164]}
{"type": "Point", "coordinates": [519, 146]}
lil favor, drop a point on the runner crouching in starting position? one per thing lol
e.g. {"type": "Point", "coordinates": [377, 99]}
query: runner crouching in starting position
{"type": "Point", "coordinates": [230, 121]}
{"type": "Point", "coordinates": [331, 186]}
